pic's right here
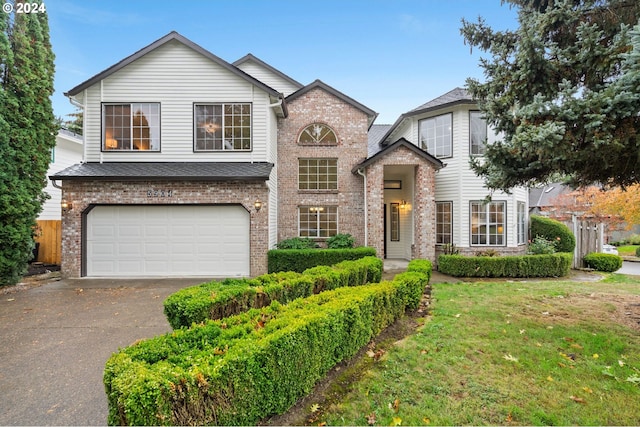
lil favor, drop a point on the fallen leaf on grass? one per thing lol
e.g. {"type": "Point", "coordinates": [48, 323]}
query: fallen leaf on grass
{"type": "Point", "coordinates": [11, 299]}
{"type": "Point", "coordinates": [621, 363]}
{"type": "Point", "coordinates": [426, 420]}
{"type": "Point", "coordinates": [396, 421]}
{"type": "Point", "coordinates": [371, 419]}
{"type": "Point", "coordinates": [587, 389]}
{"type": "Point", "coordinates": [395, 405]}
{"type": "Point", "coordinates": [549, 378]}
{"type": "Point", "coordinates": [510, 358]}
{"type": "Point", "coordinates": [578, 399]}
{"type": "Point", "coordinates": [314, 408]}
{"type": "Point", "coordinates": [596, 355]}
{"type": "Point", "coordinates": [635, 379]}
{"type": "Point", "coordinates": [509, 418]}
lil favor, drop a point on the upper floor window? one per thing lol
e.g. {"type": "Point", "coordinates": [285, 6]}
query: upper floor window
{"type": "Point", "coordinates": [317, 174]}
{"type": "Point", "coordinates": [488, 222]}
{"type": "Point", "coordinates": [131, 127]}
{"type": "Point", "coordinates": [436, 135]}
{"type": "Point", "coordinates": [477, 133]}
{"type": "Point", "coordinates": [222, 127]}
{"type": "Point", "coordinates": [318, 134]}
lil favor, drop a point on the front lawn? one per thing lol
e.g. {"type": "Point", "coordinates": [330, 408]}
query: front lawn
{"type": "Point", "coordinates": [506, 353]}
{"type": "Point", "coordinates": [627, 250]}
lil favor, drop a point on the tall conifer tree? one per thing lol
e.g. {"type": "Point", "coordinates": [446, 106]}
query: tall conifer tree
{"type": "Point", "coordinates": [564, 89]}
{"type": "Point", "coordinates": [27, 135]}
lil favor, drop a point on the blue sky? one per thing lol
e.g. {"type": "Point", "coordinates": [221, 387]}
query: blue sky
{"type": "Point", "coordinates": [390, 55]}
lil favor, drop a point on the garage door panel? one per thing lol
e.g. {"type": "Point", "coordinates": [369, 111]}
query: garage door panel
{"type": "Point", "coordinates": [174, 240]}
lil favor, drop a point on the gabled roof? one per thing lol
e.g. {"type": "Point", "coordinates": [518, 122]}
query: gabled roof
{"type": "Point", "coordinates": [375, 134]}
{"type": "Point", "coordinates": [154, 171]}
{"type": "Point", "coordinates": [251, 58]}
{"type": "Point", "coordinates": [456, 96]}
{"type": "Point", "coordinates": [391, 147]}
{"type": "Point", "coordinates": [547, 196]}
{"type": "Point", "coordinates": [319, 84]}
{"type": "Point", "coordinates": [173, 35]}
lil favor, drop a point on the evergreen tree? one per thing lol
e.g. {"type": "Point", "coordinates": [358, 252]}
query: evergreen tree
{"type": "Point", "coordinates": [27, 135]}
{"type": "Point", "coordinates": [564, 89]}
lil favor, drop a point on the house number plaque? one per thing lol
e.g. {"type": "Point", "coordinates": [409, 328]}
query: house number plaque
{"type": "Point", "coordinates": [159, 193]}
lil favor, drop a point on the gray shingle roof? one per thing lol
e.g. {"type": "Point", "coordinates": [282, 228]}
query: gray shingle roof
{"type": "Point", "coordinates": [182, 171]}
{"type": "Point", "coordinates": [375, 134]}
{"type": "Point", "coordinates": [455, 96]}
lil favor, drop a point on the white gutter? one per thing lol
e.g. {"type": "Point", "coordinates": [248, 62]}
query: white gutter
{"type": "Point", "coordinates": [366, 208]}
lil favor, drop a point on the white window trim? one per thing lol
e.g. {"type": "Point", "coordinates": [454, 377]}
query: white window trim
{"type": "Point", "coordinates": [223, 147]}
{"type": "Point", "coordinates": [487, 223]}
{"type": "Point", "coordinates": [425, 145]}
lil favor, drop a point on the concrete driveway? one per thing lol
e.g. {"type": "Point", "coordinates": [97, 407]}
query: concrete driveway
{"type": "Point", "coordinates": [56, 338]}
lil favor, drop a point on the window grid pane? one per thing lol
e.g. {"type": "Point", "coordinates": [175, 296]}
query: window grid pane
{"type": "Point", "coordinates": [522, 229]}
{"type": "Point", "coordinates": [222, 127]}
{"type": "Point", "coordinates": [317, 174]}
{"type": "Point", "coordinates": [318, 133]}
{"type": "Point", "coordinates": [318, 221]}
{"type": "Point", "coordinates": [488, 223]}
{"type": "Point", "coordinates": [444, 226]}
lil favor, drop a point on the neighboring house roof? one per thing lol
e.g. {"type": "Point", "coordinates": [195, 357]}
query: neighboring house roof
{"type": "Point", "coordinates": [391, 147]}
{"type": "Point", "coordinates": [375, 134]}
{"type": "Point", "coordinates": [453, 97]}
{"type": "Point", "coordinates": [166, 39]}
{"type": "Point", "coordinates": [319, 84]}
{"type": "Point", "coordinates": [71, 136]}
{"type": "Point", "coordinates": [547, 196]}
{"type": "Point", "coordinates": [145, 171]}
{"type": "Point", "coordinates": [251, 58]}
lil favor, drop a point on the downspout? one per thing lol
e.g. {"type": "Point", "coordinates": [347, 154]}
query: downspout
{"type": "Point", "coordinates": [366, 208]}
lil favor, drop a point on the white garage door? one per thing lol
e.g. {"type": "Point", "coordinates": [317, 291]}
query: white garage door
{"type": "Point", "coordinates": [167, 241]}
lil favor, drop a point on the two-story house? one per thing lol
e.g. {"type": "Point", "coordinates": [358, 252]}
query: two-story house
{"type": "Point", "coordinates": [194, 166]}
{"type": "Point", "coordinates": [452, 129]}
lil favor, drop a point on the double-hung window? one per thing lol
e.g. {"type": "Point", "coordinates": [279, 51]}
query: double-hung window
{"type": "Point", "coordinates": [488, 223]}
{"type": "Point", "coordinates": [477, 133]}
{"type": "Point", "coordinates": [317, 221]}
{"type": "Point", "coordinates": [317, 174]}
{"type": "Point", "coordinates": [436, 135]}
{"type": "Point", "coordinates": [131, 127]}
{"type": "Point", "coordinates": [444, 223]}
{"type": "Point", "coordinates": [222, 127]}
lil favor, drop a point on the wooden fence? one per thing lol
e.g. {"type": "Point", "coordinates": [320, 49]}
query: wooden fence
{"type": "Point", "coordinates": [589, 238]}
{"type": "Point", "coordinates": [50, 239]}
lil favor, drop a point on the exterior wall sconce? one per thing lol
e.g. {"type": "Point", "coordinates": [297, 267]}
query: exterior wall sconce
{"type": "Point", "coordinates": [66, 206]}
{"type": "Point", "coordinates": [403, 204]}
{"type": "Point", "coordinates": [257, 205]}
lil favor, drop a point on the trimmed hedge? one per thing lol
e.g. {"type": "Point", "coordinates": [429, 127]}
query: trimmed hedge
{"type": "Point", "coordinates": [215, 300]}
{"type": "Point", "coordinates": [549, 265]}
{"type": "Point", "coordinates": [554, 231]}
{"type": "Point", "coordinates": [239, 370]}
{"type": "Point", "coordinates": [299, 260]}
{"type": "Point", "coordinates": [603, 262]}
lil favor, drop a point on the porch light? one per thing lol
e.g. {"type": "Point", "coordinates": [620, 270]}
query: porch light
{"type": "Point", "coordinates": [65, 205]}
{"type": "Point", "coordinates": [403, 204]}
{"type": "Point", "coordinates": [258, 205]}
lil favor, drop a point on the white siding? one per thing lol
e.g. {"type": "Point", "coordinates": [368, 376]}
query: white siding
{"type": "Point", "coordinates": [176, 77]}
{"type": "Point", "coordinates": [268, 77]}
{"type": "Point", "coordinates": [458, 183]}
{"type": "Point", "coordinates": [68, 152]}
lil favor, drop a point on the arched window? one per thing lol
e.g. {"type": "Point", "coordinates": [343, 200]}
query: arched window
{"type": "Point", "coordinates": [318, 134]}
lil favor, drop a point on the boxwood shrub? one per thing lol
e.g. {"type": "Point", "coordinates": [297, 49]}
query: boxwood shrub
{"type": "Point", "coordinates": [603, 262]}
{"type": "Point", "coordinates": [554, 231]}
{"type": "Point", "coordinates": [244, 368]}
{"type": "Point", "coordinates": [301, 259]}
{"type": "Point", "coordinates": [549, 265]}
{"type": "Point", "coordinates": [218, 299]}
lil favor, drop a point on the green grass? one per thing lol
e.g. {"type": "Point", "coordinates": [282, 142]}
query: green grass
{"type": "Point", "coordinates": [627, 250]}
{"type": "Point", "coordinates": [513, 352]}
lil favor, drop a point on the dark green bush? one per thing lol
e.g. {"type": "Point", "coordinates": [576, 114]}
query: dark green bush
{"type": "Point", "coordinates": [638, 251]}
{"type": "Point", "coordinates": [603, 262]}
{"type": "Point", "coordinates": [301, 259]}
{"type": "Point", "coordinates": [297, 243]}
{"type": "Point", "coordinates": [340, 241]}
{"type": "Point", "coordinates": [242, 369]}
{"type": "Point", "coordinates": [551, 265]}
{"type": "Point", "coordinates": [215, 300]}
{"type": "Point", "coordinates": [554, 231]}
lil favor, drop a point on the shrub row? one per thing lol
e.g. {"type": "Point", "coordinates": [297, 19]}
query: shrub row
{"type": "Point", "coordinates": [549, 265]}
{"type": "Point", "coordinates": [301, 259]}
{"type": "Point", "coordinates": [215, 300]}
{"type": "Point", "coordinates": [554, 231]}
{"type": "Point", "coordinates": [603, 262]}
{"type": "Point", "coordinates": [239, 370]}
